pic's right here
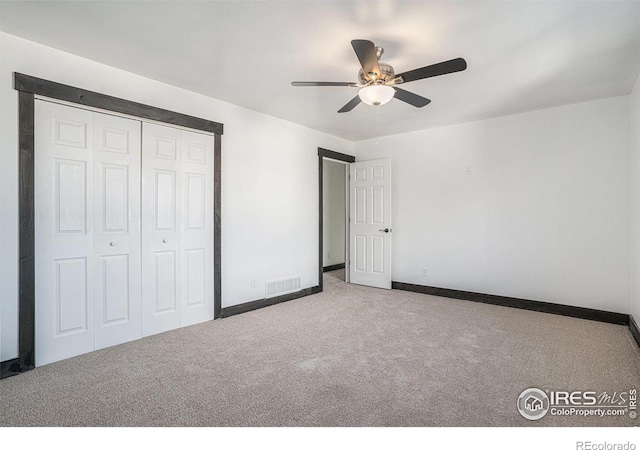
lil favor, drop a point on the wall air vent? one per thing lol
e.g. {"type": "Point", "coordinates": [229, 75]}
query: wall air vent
{"type": "Point", "coordinates": [283, 286]}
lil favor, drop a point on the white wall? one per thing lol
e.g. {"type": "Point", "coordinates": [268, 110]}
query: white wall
{"type": "Point", "coordinates": [635, 201]}
{"type": "Point", "coordinates": [269, 185]}
{"type": "Point", "coordinates": [334, 212]}
{"type": "Point", "coordinates": [533, 206]}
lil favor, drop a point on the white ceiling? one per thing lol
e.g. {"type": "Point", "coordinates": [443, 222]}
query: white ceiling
{"type": "Point", "coordinates": [521, 55]}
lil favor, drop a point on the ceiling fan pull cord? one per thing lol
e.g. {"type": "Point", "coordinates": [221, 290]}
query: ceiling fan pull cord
{"type": "Point", "coordinates": [377, 124]}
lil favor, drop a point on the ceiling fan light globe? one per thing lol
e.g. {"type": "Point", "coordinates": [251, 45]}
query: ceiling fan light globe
{"type": "Point", "coordinates": [376, 94]}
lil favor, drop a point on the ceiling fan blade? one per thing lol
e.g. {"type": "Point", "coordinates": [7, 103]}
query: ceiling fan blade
{"type": "Point", "coordinates": [443, 68]}
{"type": "Point", "coordinates": [366, 53]}
{"type": "Point", "coordinates": [352, 104]}
{"type": "Point", "coordinates": [323, 83]}
{"type": "Point", "coordinates": [411, 98]}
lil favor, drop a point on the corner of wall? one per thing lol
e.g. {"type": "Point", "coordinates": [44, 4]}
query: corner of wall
{"type": "Point", "coordinates": [634, 232]}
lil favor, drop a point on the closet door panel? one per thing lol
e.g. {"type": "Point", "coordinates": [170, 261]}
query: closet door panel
{"type": "Point", "coordinates": [63, 232]}
{"type": "Point", "coordinates": [197, 227]}
{"type": "Point", "coordinates": [124, 230]}
{"type": "Point", "coordinates": [161, 209]}
{"type": "Point", "coordinates": [117, 234]}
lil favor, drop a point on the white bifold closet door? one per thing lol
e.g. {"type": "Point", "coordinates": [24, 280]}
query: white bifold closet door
{"type": "Point", "coordinates": [87, 222]}
{"type": "Point", "coordinates": [124, 230]}
{"type": "Point", "coordinates": [117, 234]}
{"type": "Point", "coordinates": [177, 242]}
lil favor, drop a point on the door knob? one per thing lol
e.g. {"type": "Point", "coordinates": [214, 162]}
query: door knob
{"type": "Point", "coordinates": [112, 243]}
{"type": "Point", "coordinates": [164, 241]}
{"type": "Point", "coordinates": [386, 230]}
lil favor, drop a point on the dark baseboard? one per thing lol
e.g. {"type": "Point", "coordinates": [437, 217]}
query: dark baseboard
{"type": "Point", "coordinates": [334, 267]}
{"type": "Point", "coordinates": [9, 368]}
{"type": "Point", "coordinates": [12, 367]}
{"type": "Point", "coordinates": [264, 302]}
{"type": "Point", "coordinates": [532, 305]}
{"type": "Point", "coordinates": [635, 330]}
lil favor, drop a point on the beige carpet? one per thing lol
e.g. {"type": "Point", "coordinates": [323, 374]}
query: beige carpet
{"type": "Point", "coordinates": [350, 356]}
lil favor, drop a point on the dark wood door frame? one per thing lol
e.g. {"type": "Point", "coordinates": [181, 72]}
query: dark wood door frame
{"type": "Point", "coordinates": [28, 87]}
{"type": "Point", "coordinates": [324, 153]}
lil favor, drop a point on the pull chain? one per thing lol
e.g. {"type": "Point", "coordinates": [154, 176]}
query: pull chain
{"type": "Point", "coordinates": [377, 124]}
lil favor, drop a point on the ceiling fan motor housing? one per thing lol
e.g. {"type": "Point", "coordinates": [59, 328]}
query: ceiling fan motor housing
{"type": "Point", "coordinates": [386, 74]}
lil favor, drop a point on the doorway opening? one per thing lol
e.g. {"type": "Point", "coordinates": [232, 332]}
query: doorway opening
{"type": "Point", "coordinates": [333, 227]}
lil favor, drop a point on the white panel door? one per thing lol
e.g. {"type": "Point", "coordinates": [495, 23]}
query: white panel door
{"type": "Point", "coordinates": [370, 223]}
{"type": "Point", "coordinates": [116, 200]}
{"type": "Point", "coordinates": [63, 232]}
{"type": "Point", "coordinates": [196, 237]}
{"type": "Point", "coordinates": [161, 257]}
{"type": "Point", "coordinates": [124, 230]}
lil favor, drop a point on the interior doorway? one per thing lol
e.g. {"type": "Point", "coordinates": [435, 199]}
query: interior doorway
{"type": "Point", "coordinates": [334, 215]}
{"type": "Point", "coordinates": [333, 227]}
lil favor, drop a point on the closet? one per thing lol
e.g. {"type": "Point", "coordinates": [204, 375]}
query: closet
{"type": "Point", "coordinates": [123, 229]}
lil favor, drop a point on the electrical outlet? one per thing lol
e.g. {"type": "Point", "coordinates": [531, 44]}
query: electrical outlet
{"type": "Point", "coordinates": [424, 272]}
{"type": "Point", "coordinates": [253, 284]}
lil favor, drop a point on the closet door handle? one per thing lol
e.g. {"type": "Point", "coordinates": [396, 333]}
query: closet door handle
{"type": "Point", "coordinates": [112, 244]}
{"type": "Point", "coordinates": [164, 241]}
{"type": "Point", "coordinates": [386, 230]}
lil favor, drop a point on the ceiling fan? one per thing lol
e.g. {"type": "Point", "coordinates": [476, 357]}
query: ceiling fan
{"type": "Point", "coordinates": [378, 82]}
